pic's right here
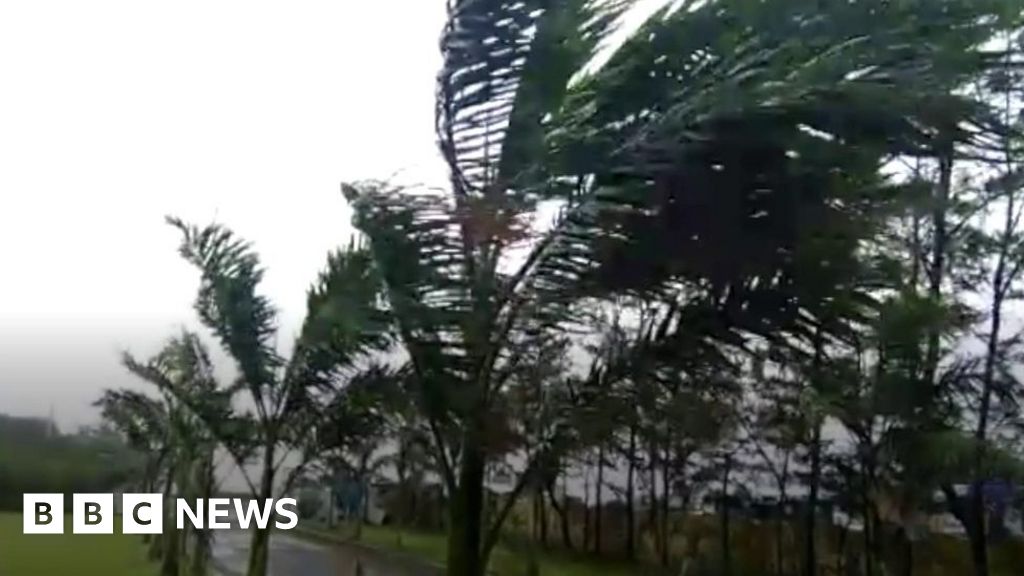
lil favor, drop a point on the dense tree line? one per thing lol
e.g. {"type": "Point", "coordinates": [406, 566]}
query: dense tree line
{"type": "Point", "coordinates": [786, 243]}
{"type": "Point", "coordinates": [36, 458]}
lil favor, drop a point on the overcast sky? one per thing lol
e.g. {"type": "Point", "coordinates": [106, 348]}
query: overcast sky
{"type": "Point", "coordinates": [116, 113]}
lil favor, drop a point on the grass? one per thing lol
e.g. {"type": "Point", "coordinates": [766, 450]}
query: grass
{"type": "Point", "coordinates": [937, 556]}
{"type": "Point", "coordinates": [66, 554]}
{"type": "Point", "coordinates": [432, 547]}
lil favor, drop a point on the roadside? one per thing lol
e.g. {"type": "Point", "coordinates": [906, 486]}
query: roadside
{"type": "Point", "coordinates": [304, 554]}
{"type": "Point", "coordinates": [288, 556]}
{"type": "Point", "coordinates": [417, 552]}
{"type": "Point", "coordinates": [378, 558]}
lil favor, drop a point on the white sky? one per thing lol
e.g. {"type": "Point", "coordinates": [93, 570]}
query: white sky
{"type": "Point", "coordinates": [116, 113]}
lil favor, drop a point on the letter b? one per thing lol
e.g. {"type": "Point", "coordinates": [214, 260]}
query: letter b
{"type": "Point", "coordinates": [93, 514]}
{"type": "Point", "coordinates": [43, 514]}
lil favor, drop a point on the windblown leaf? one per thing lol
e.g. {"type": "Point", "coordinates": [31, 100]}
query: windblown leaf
{"type": "Point", "coordinates": [229, 304]}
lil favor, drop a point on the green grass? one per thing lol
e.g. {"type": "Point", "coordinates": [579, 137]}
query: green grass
{"type": "Point", "coordinates": [69, 554]}
{"type": "Point", "coordinates": [937, 556]}
{"type": "Point", "coordinates": [432, 548]}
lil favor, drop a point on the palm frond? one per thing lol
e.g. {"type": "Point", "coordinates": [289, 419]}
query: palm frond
{"type": "Point", "coordinates": [507, 65]}
{"type": "Point", "coordinates": [415, 243]}
{"type": "Point", "coordinates": [142, 419]}
{"type": "Point", "coordinates": [229, 304]}
{"type": "Point", "coordinates": [346, 320]}
{"type": "Point", "coordinates": [730, 151]}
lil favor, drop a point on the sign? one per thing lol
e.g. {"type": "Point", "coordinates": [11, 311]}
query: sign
{"type": "Point", "coordinates": [144, 513]}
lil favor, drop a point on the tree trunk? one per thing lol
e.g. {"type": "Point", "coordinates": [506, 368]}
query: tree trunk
{"type": "Point", "coordinates": [811, 513]}
{"type": "Point", "coordinates": [405, 505]}
{"type": "Point", "coordinates": [259, 545]}
{"type": "Point", "coordinates": [780, 552]}
{"type": "Point", "coordinates": [937, 268]}
{"type": "Point", "coordinates": [726, 546]}
{"type": "Point", "coordinates": [201, 537]}
{"type": "Point", "coordinates": [149, 483]}
{"type": "Point", "coordinates": [364, 494]}
{"type": "Point", "coordinates": [844, 532]}
{"type": "Point", "coordinates": [630, 506]}
{"type": "Point", "coordinates": [906, 567]}
{"type": "Point", "coordinates": [597, 500]}
{"type": "Point", "coordinates": [535, 517]}
{"type": "Point", "coordinates": [543, 519]}
{"type": "Point", "coordinates": [200, 554]}
{"type": "Point", "coordinates": [869, 530]}
{"type": "Point", "coordinates": [586, 509]}
{"type": "Point", "coordinates": [652, 496]}
{"type": "Point", "coordinates": [666, 473]}
{"type": "Point", "coordinates": [563, 518]}
{"type": "Point", "coordinates": [978, 532]}
{"type": "Point", "coordinates": [259, 551]}
{"type": "Point", "coordinates": [171, 552]}
{"type": "Point", "coordinates": [465, 556]}
{"type": "Point", "coordinates": [166, 545]}
{"type": "Point", "coordinates": [364, 510]}
{"type": "Point", "coordinates": [780, 520]}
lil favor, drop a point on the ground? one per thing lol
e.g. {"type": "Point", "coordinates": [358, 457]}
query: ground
{"type": "Point", "coordinates": [69, 554]}
{"type": "Point", "coordinates": [121, 555]}
{"type": "Point", "coordinates": [288, 556]}
{"type": "Point", "coordinates": [505, 562]}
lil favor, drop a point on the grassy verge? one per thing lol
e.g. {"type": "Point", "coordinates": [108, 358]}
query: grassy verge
{"type": "Point", "coordinates": [66, 554]}
{"type": "Point", "coordinates": [937, 556]}
{"type": "Point", "coordinates": [431, 547]}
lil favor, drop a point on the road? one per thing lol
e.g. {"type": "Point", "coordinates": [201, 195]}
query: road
{"type": "Point", "coordinates": [289, 556]}
{"type": "Point", "coordinates": [292, 556]}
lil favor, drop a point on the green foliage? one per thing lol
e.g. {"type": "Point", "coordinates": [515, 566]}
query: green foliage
{"type": "Point", "coordinates": [36, 459]}
{"type": "Point", "coordinates": [227, 303]}
{"type": "Point", "coordinates": [728, 191]}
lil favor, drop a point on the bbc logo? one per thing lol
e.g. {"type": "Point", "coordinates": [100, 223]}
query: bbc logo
{"type": "Point", "coordinates": [92, 514]}
{"type": "Point", "coordinates": [144, 513]}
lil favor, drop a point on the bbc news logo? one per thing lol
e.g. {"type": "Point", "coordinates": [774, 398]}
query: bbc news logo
{"type": "Point", "coordinates": [144, 513]}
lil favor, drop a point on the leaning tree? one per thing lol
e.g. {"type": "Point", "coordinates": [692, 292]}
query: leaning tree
{"type": "Point", "coordinates": [724, 161]}
{"type": "Point", "coordinates": [276, 403]}
{"type": "Point", "coordinates": [177, 446]}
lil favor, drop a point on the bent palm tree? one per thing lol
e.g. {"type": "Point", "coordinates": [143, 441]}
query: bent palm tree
{"type": "Point", "coordinates": [286, 398]}
{"type": "Point", "coordinates": [713, 161]}
{"type": "Point", "coordinates": [179, 447]}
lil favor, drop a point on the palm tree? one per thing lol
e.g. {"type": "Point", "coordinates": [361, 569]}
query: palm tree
{"type": "Point", "coordinates": [179, 448]}
{"type": "Point", "coordinates": [145, 422]}
{"type": "Point", "coordinates": [357, 425]}
{"type": "Point", "coordinates": [142, 420]}
{"type": "Point", "coordinates": [287, 398]}
{"type": "Point", "coordinates": [711, 162]}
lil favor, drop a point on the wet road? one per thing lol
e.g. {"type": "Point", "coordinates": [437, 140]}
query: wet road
{"type": "Point", "coordinates": [289, 556]}
{"type": "Point", "coordinates": [292, 556]}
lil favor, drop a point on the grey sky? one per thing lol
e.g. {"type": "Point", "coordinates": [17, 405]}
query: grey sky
{"type": "Point", "coordinates": [114, 113]}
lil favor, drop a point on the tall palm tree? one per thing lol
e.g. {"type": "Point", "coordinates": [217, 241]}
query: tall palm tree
{"type": "Point", "coordinates": [142, 420]}
{"type": "Point", "coordinates": [145, 422]}
{"type": "Point", "coordinates": [287, 397]}
{"type": "Point", "coordinates": [724, 161]}
{"type": "Point", "coordinates": [179, 447]}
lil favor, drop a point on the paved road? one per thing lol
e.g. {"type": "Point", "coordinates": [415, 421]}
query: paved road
{"type": "Point", "coordinates": [291, 556]}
